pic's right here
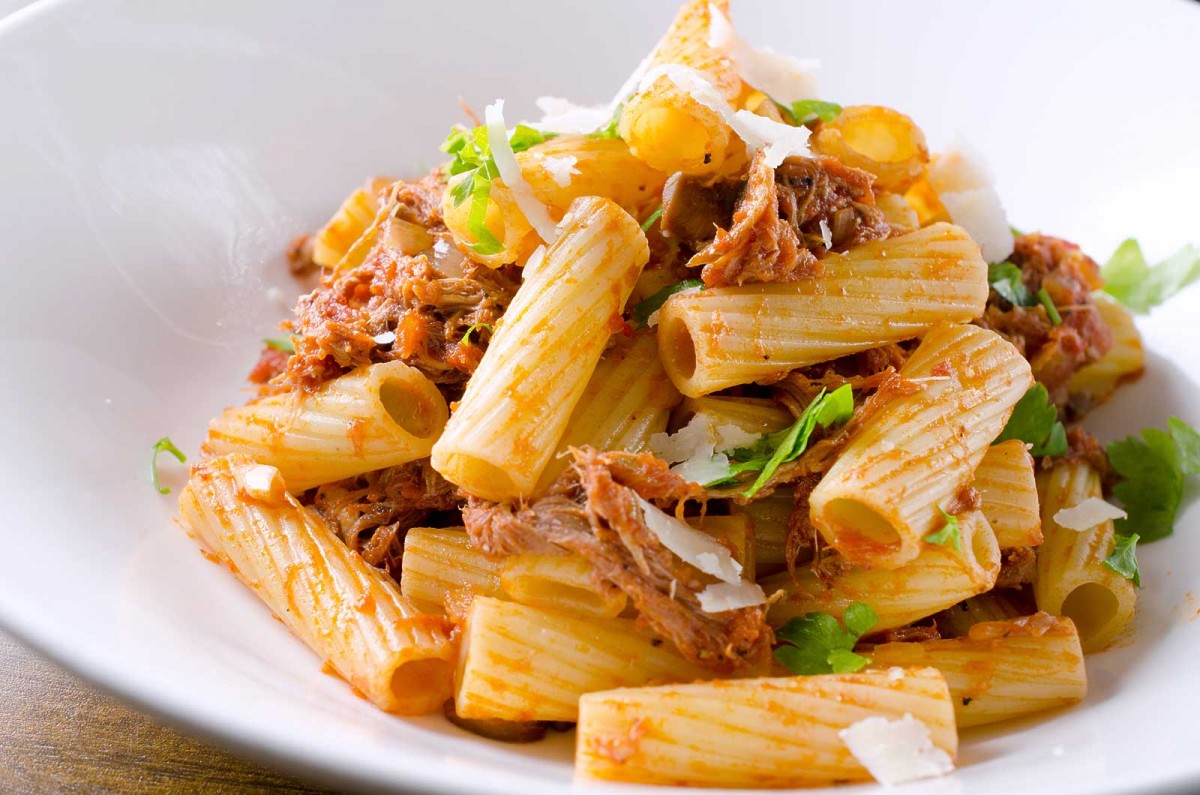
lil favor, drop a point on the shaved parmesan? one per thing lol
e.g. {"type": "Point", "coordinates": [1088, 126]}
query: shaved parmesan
{"type": "Point", "coordinates": [784, 78]}
{"type": "Point", "coordinates": [896, 751]}
{"type": "Point", "coordinates": [779, 140]}
{"type": "Point", "coordinates": [686, 443]}
{"type": "Point", "coordinates": [730, 436]}
{"type": "Point", "coordinates": [386, 338]}
{"type": "Point", "coordinates": [692, 546]}
{"type": "Point", "coordinates": [693, 448]}
{"type": "Point", "coordinates": [263, 482]}
{"type": "Point", "coordinates": [1088, 514]}
{"type": "Point", "coordinates": [510, 171]}
{"type": "Point", "coordinates": [564, 116]}
{"type": "Point", "coordinates": [722, 596]}
{"type": "Point", "coordinates": [967, 189]}
{"type": "Point", "coordinates": [701, 469]}
{"type": "Point", "coordinates": [561, 168]}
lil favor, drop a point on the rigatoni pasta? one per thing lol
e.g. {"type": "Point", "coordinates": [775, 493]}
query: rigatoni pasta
{"type": "Point", "coordinates": [1008, 494]}
{"type": "Point", "coordinates": [881, 292]}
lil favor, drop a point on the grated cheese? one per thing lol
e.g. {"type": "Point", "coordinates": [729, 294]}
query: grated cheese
{"type": "Point", "coordinates": [784, 78]}
{"type": "Point", "coordinates": [721, 596]}
{"type": "Point", "coordinates": [693, 448]}
{"type": "Point", "coordinates": [896, 751]}
{"type": "Point", "coordinates": [510, 171]}
{"type": "Point", "coordinates": [967, 189]}
{"type": "Point", "coordinates": [1088, 514]}
{"type": "Point", "coordinates": [692, 546]}
{"type": "Point", "coordinates": [561, 168]}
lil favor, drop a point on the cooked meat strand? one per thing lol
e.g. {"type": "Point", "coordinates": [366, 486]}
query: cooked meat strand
{"type": "Point", "coordinates": [372, 512]}
{"type": "Point", "coordinates": [1069, 277]}
{"type": "Point", "coordinates": [592, 511]}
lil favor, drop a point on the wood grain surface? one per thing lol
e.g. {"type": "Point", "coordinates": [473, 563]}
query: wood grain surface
{"type": "Point", "coordinates": [59, 734]}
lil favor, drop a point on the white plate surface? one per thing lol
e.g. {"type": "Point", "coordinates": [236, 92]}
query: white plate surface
{"type": "Point", "coordinates": [157, 157]}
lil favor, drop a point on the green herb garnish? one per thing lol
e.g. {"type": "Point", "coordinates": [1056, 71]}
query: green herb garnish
{"type": "Point", "coordinates": [283, 344]}
{"type": "Point", "coordinates": [654, 216]}
{"type": "Point", "coordinates": [466, 337]}
{"type": "Point", "coordinates": [471, 157]}
{"type": "Point", "coordinates": [1141, 286]}
{"type": "Point", "coordinates": [807, 111]}
{"type": "Point", "coordinates": [645, 308]}
{"type": "Point", "coordinates": [163, 445]}
{"type": "Point", "coordinates": [818, 643]}
{"type": "Point", "coordinates": [1123, 559]}
{"type": "Point", "coordinates": [1152, 470]}
{"type": "Point", "coordinates": [1048, 305]}
{"type": "Point", "coordinates": [950, 534]}
{"type": "Point", "coordinates": [1005, 279]}
{"type": "Point", "coordinates": [1035, 422]}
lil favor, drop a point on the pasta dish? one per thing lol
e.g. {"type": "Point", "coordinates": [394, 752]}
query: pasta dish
{"type": "Point", "coordinates": [726, 426]}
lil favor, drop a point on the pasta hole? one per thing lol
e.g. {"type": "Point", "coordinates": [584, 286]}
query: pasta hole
{"type": "Point", "coordinates": [677, 346]}
{"type": "Point", "coordinates": [1091, 606]}
{"type": "Point", "coordinates": [415, 682]}
{"type": "Point", "coordinates": [412, 411]}
{"type": "Point", "coordinates": [856, 524]}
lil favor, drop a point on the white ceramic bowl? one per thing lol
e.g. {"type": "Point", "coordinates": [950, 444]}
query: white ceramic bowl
{"type": "Point", "coordinates": [156, 159]}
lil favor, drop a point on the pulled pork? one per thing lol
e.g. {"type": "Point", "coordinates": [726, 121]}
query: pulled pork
{"type": "Point", "coordinates": [351, 318]}
{"type": "Point", "coordinates": [592, 511]}
{"type": "Point", "coordinates": [372, 512]}
{"type": "Point", "coordinates": [781, 223]}
{"type": "Point", "coordinates": [1069, 277]}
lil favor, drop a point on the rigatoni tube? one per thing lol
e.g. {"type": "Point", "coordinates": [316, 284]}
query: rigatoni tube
{"type": "Point", "coordinates": [752, 733]}
{"type": "Point", "coordinates": [1008, 494]}
{"type": "Point", "coordinates": [350, 613]}
{"type": "Point", "coordinates": [879, 292]}
{"type": "Point", "coordinates": [377, 416]}
{"type": "Point", "coordinates": [911, 457]}
{"type": "Point", "coordinates": [1072, 579]}
{"type": "Point", "coordinates": [517, 404]}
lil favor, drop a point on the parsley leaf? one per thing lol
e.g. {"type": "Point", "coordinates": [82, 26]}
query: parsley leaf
{"type": "Point", "coordinates": [806, 111]}
{"type": "Point", "coordinates": [1005, 279]}
{"type": "Point", "coordinates": [817, 643]}
{"type": "Point", "coordinates": [1123, 559]}
{"type": "Point", "coordinates": [1048, 305]}
{"type": "Point", "coordinates": [645, 308]}
{"type": "Point", "coordinates": [949, 534]}
{"type": "Point", "coordinates": [1034, 421]}
{"type": "Point", "coordinates": [163, 445]}
{"type": "Point", "coordinates": [1141, 286]}
{"type": "Point", "coordinates": [466, 337]}
{"type": "Point", "coordinates": [283, 344]}
{"type": "Point", "coordinates": [471, 158]}
{"type": "Point", "coordinates": [1152, 470]}
{"type": "Point", "coordinates": [654, 216]}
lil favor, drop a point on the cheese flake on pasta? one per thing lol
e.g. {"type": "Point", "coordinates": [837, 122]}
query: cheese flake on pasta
{"type": "Point", "coordinates": [1088, 514]}
{"type": "Point", "coordinates": [561, 168]}
{"type": "Point", "coordinates": [693, 448]}
{"type": "Point", "coordinates": [896, 751]}
{"type": "Point", "coordinates": [561, 115]}
{"type": "Point", "coordinates": [967, 189]}
{"type": "Point", "coordinates": [722, 596]}
{"type": "Point", "coordinates": [692, 546]}
{"type": "Point", "coordinates": [784, 78]}
{"type": "Point", "coordinates": [510, 171]}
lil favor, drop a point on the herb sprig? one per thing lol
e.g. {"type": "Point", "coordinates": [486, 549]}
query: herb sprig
{"type": "Point", "coordinates": [1035, 421]}
{"type": "Point", "coordinates": [163, 445]}
{"type": "Point", "coordinates": [817, 643]}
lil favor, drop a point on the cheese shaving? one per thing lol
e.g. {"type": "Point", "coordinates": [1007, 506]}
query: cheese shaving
{"type": "Point", "coordinates": [784, 78]}
{"type": "Point", "coordinates": [896, 751]}
{"type": "Point", "coordinates": [560, 168]}
{"type": "Point", "coordinates": [967, 189]}
{"type": "Point", "coordinates": [385, 338]}
{"type": "Point", "coordinates": [779, 141]}
{"type": "Point", "coordinates": [693, 448]}
{"type": "Point", "coordinates": [721, 596]}
{"type": "Point", "coordinates": [263, 482]}
{"type": "Point", "coordinates": [692, 546]}
{"type": "Point", "coordinates": [510, 171]}
{"type": "Point", "coordinates": [1088, 514]}
{"type": "Point", "coordinates": [564, 116]}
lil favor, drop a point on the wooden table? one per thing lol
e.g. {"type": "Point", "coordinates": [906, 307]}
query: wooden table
{"type": "Point", "coordinates": [59, 734]}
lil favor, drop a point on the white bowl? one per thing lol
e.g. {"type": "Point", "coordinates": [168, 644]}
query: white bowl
{"type": "Point", "coordinates": [158, 157]}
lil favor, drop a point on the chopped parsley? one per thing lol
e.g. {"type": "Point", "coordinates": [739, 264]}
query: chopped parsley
{"type": "Point", "coordinates": [1152, 470]}
{"type": "Point", "coordinates": [1035, 421]}
{"type": "Point", "coordinates": [466, 337]}
{"type": "Point", "coordinates": [772, 450]}
{"type": "Point", "coordinates": [471, 157]}
{"type": "Point", "coordinates": [1123, 559]}
{"type": "Point", "coordinates": [1141, 286]}
{"type": "Point", "coordinates": [1005, 279]}
{"type": "Point", "coordinates": [1048, 305]}
{"type": "Point", "coordinates": [654, 216]}
{"type": "Point", "coordinates": [645, 308]}
{"type": "Point", "coordinates": [950, 534]}
{"type": "Point", "coordinates": [163, 445]}
{"type": "Point", "coordinates": [807, 111]}
{"type": "Point", "coordinates": [817, 643]}
{"type": "Point", "coordinates": [283, 344]}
